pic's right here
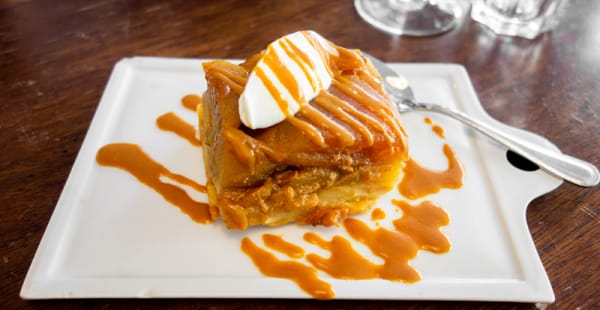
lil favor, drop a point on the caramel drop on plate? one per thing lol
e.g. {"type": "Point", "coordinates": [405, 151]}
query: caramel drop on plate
{"type": "Point", "coordinates": [437, 129]}
{"type": "Point", "coordinates": [377, 214]}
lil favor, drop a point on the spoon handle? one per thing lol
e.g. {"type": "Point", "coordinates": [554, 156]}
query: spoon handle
{"type": "Point", "coordinates": [561, 165]}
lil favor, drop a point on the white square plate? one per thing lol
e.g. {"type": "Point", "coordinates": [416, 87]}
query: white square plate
{"type": "Point", "coordinates": [111, 236]}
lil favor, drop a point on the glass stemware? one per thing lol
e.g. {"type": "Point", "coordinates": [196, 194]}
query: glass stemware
{"type": "Point", "coordinates": [412, 17]}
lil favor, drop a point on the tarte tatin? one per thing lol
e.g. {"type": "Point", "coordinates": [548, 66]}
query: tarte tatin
{"type": "Point", "coordinates": [334, 157]}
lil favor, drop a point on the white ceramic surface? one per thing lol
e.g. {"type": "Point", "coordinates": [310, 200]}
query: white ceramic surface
{"type": "Point", "coordinates": [111, 236]}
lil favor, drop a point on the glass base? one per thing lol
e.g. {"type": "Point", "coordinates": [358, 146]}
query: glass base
{"type": "Point", "coordinates": [410, 17]}
{"type": "Point", "coordinates": [522, 26]}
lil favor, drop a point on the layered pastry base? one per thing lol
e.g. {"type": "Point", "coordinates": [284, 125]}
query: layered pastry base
{"type": "Point", "coordinates": [332, 148]}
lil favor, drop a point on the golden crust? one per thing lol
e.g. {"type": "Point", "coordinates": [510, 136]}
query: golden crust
{"type": "Point", "coordinates": [287, 173]}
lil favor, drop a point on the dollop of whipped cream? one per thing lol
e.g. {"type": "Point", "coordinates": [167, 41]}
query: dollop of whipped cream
{"type": "Point", "coordinates": [291, 72]}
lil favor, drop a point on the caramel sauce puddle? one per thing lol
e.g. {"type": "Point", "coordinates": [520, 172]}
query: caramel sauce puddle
{"type": "Point", "coordinates": [419, 181]}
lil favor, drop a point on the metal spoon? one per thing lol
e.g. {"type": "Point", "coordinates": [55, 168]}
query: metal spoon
{"type": "Point", "coordinates": [569, 168]}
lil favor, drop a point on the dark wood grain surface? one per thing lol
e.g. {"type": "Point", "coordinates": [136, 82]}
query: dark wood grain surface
{"type": "Point", "coordinates": [56, 57]}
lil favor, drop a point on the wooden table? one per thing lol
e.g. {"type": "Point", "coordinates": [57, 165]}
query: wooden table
{"type": "Point", "coordinates": [56, 56]}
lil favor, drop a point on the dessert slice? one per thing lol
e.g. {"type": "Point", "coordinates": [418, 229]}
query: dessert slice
{"type": "Point", "coordinates": [301, 132]}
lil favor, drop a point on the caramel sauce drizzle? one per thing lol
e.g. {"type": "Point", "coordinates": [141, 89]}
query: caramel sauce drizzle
{"type": "Point", "coordinates": [229, 78]}
{"type": "Point", "coordinates": [131, 158]}
{"type": "Point", "coordinates": [362, 116]}
{"type": "Point", "coordinates": [173, 123]}
{"type": "Point", "coordinates": [238, 79]}
{"type": "Point", "coordinates": [235, 80]}
{"type": "Point", "coordinates": [375, 121]}
{"type": "Point", "coordinates": [283, 104]}
{"type": "Point", "coordinates": [374, 105]}
{"type": "Point", "coordinates": [312, 132]}
{"type": "Point", "coordinates": [277, 243]}
{"type": "Point", "coordinates": [304, 276]}
{"type": "Point", "coordinates": [191, 102]}
{"type": "Point", "coordinates": [344, 121]}
{"type": "Point", "coordinates": [417, 229]}
{"type": "Point", "coordinates": [369, 100]}
{"type": "Point", "coordinates": [331, 104]}
{"type": "Point", "coordinates": [246, 147]}
{"type": "Point", "coordinates": [285, 77]}
{"type": "Point", "coordinates": [347, 59]}
{"type": "Point", "coordinates": [371, 78]}
{"type": "Point", "coordinates": [419, 181]}
{"type": "Point", "coordinates": [324, 54]}
{"type": "Point", "coordinates": [315, 116]}
{"type": "Point", "coordinates": [301, 59]}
